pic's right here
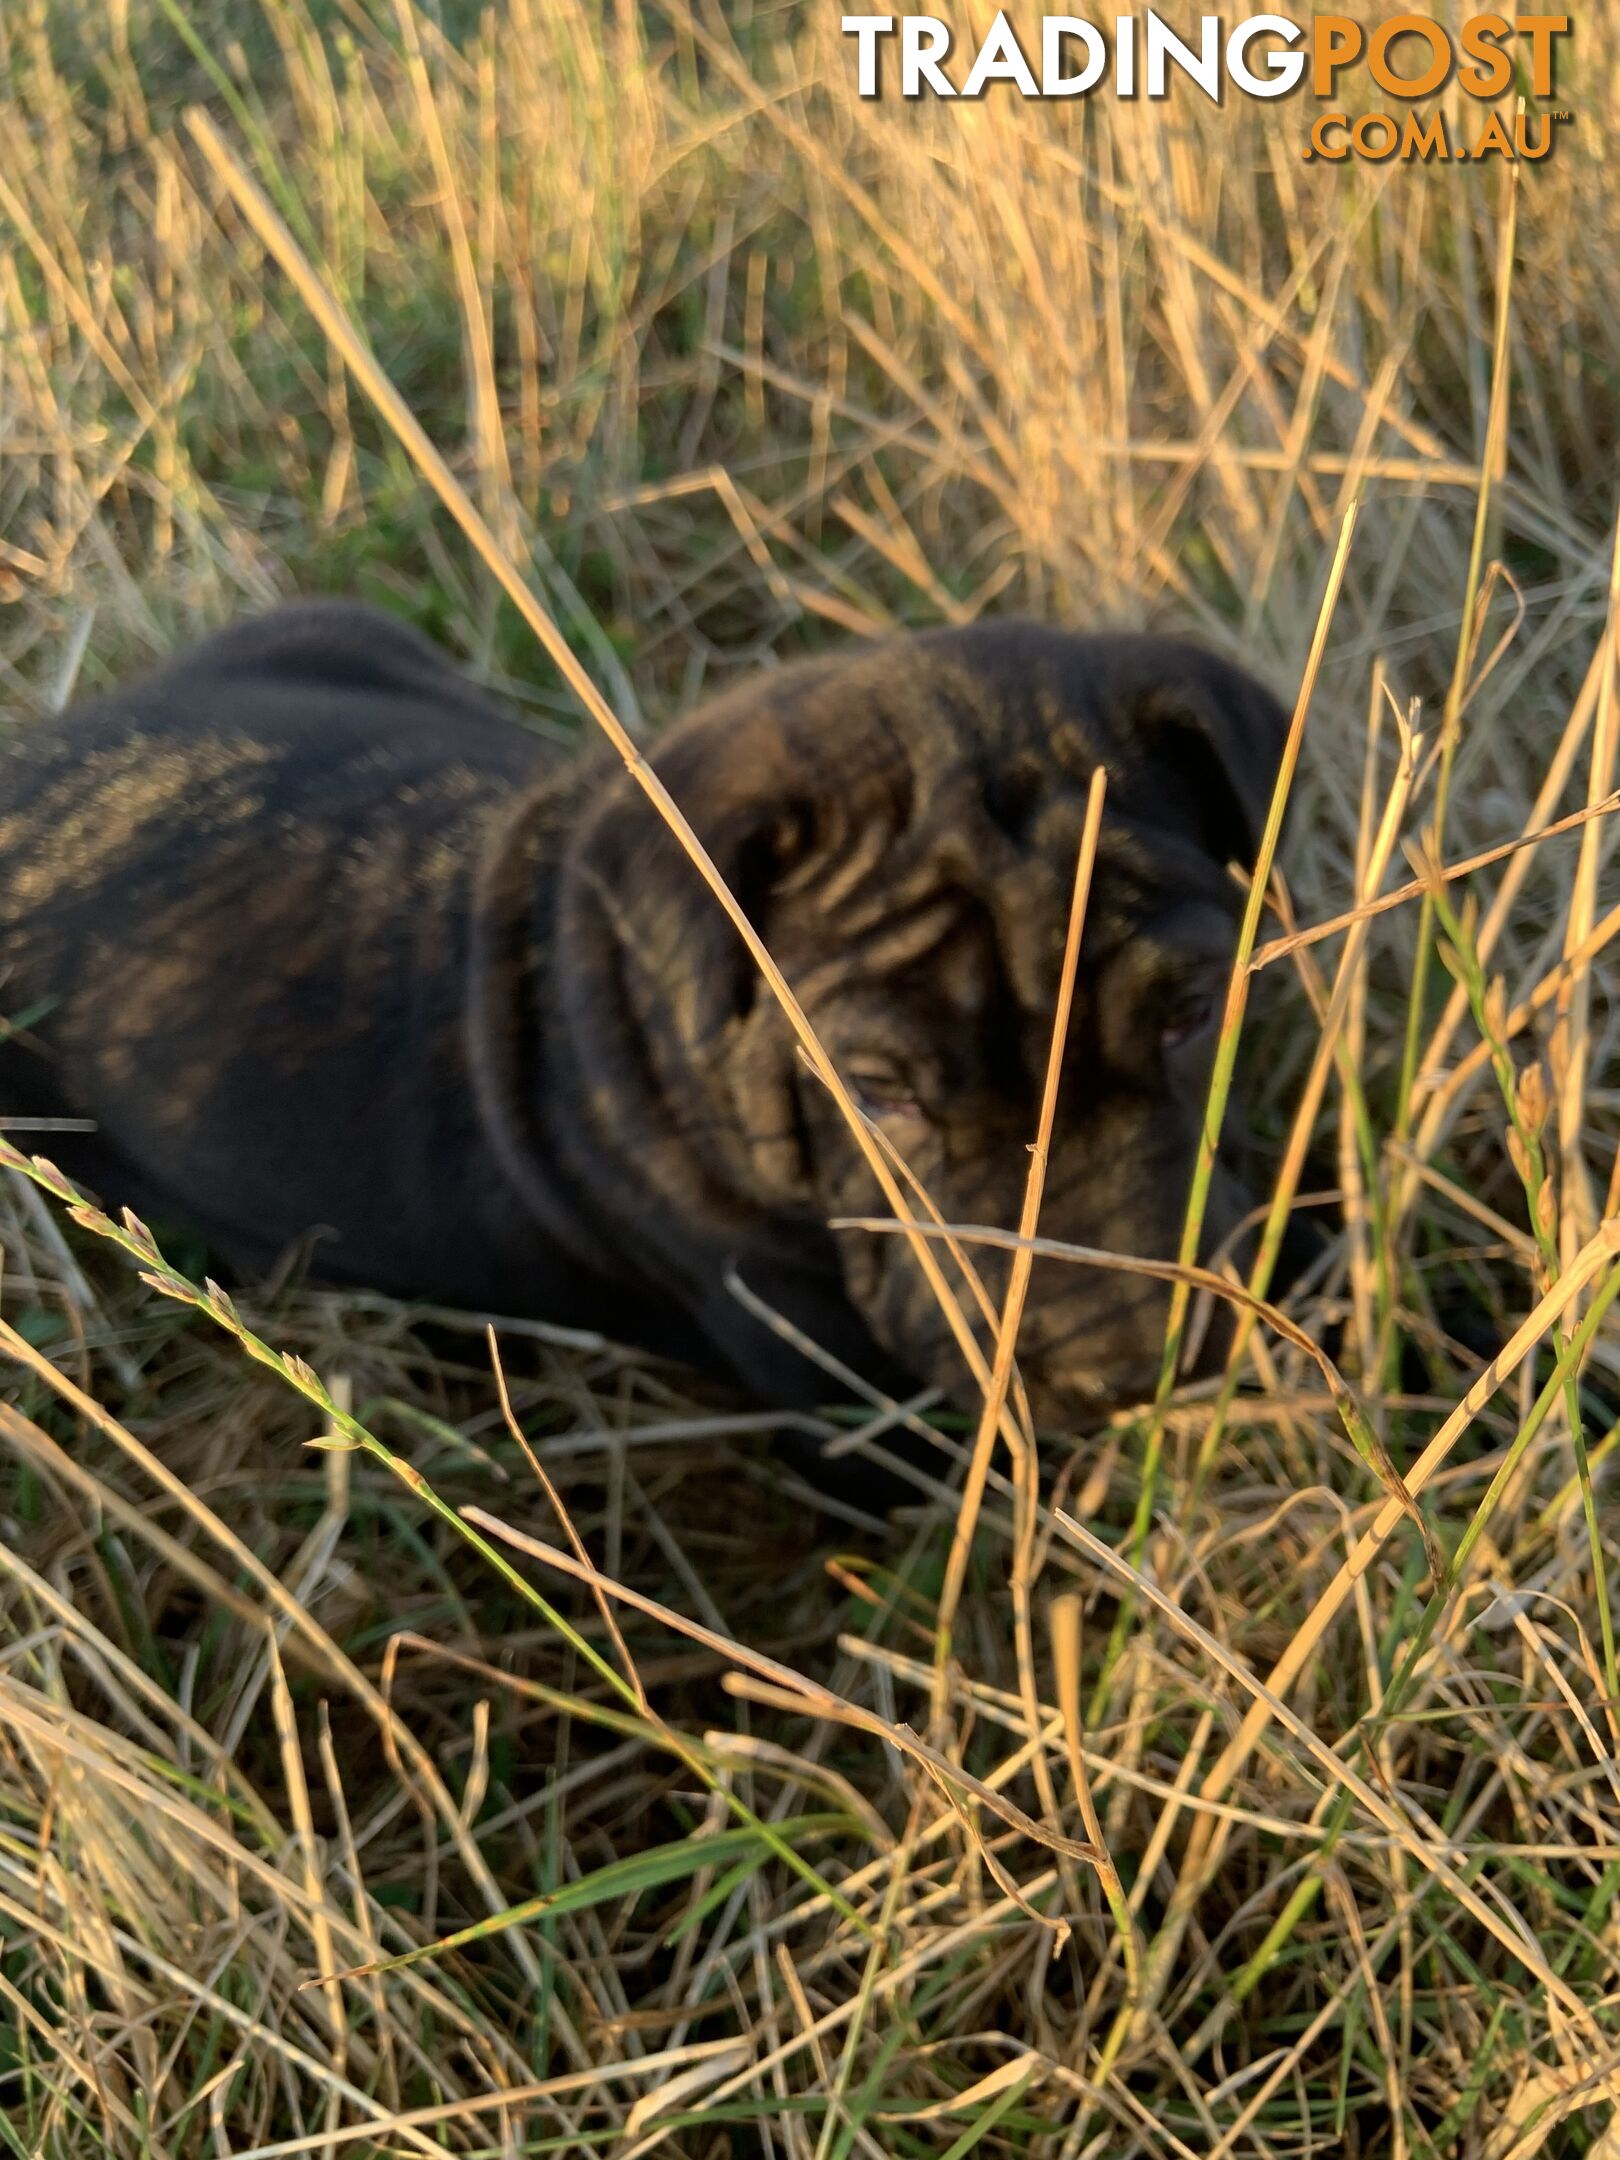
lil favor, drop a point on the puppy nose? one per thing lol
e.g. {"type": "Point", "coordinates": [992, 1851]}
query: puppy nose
{"type": "Point", "coordinates": [1080, 1398]}
{"type": "Point", "coordinates": [1092, 1375]}
{"type": "Point", "coordinates": [1114, 1363]}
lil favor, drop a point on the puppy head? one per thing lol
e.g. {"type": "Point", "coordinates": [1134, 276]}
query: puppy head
{"type": "Point", "coordinates": [902, 828]}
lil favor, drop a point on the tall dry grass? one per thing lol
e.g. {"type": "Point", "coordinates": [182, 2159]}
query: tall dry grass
{"type": "Point", "coordinates": [1217, 1825]}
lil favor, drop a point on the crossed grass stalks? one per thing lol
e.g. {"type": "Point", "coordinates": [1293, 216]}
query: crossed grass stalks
{"type": "Point", "coordinates": [1577, 1255]}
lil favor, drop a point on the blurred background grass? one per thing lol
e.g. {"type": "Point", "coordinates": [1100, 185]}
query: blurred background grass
{"type": "Point", "coordinates": [739, 365]}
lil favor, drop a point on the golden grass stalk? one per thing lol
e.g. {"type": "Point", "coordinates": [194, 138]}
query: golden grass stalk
{"type": "Point", "coordinates": [430, 463]}
{"type": "Point", "coordinates": [1012, 1310]}
{"type": "Point", "coordinates": [1226, 1048]}
{"type": "Point", "coordinates": [769, 361]}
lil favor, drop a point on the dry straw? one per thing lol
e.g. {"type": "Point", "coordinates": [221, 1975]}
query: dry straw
{"type": "Point", "coordinates": [1154, 1793]}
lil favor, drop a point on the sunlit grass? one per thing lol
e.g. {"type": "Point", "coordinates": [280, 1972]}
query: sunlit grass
{"type": "Point", "coordinates": [402, 1755]}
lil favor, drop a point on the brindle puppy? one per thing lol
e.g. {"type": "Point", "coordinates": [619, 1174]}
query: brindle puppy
{"type": "Point", "coordinates": [331, 944]}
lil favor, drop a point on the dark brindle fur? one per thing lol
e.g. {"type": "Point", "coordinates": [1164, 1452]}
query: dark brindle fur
{"type": "Point", "coordinates": [334, 945]}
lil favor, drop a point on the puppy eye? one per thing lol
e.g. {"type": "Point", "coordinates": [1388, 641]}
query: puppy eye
{"type": "Point", "coordinates": [1189, 1015]}
{"type": "Point", "coordinates": [882, 1091]}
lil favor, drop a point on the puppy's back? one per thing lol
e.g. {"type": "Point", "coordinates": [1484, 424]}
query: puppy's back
{"type": "Point", "coordinates": [303, 694]}
{"type": "Point", "coordinates": [290, 729]}
{"type": "Point", "coordinates": [255, 861]}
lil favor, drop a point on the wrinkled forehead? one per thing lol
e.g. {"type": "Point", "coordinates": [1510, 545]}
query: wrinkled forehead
{"type": "Point", "coordinates": [947, 795]}
{"type": "Point", "coordinates": [1011, 719]}
{"type": "Point", "coordinates": [929, 710]}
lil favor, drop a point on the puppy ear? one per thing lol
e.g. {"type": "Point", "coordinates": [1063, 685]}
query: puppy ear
{"type": "Point", "coordinates": [1216, 737]}
{"type": "Point", "coordinates": [775, 781]}
{"type": "Point", "coordinates": [637, 909]}
{"type": "Point", "coordinates": [599, 954]}
{"type": "Point", "coordinates": [781, 781]}
{"type": "Point", "coordinates": [506, 1017]}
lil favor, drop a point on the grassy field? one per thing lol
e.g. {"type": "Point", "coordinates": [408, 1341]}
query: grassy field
{"type": "Point", "coordinates": [736, 1854]}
